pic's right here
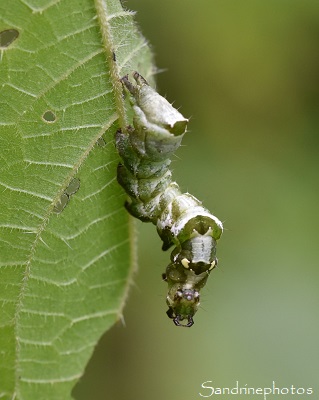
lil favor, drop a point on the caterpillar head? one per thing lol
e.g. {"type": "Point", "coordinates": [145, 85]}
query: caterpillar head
{"type": "Point", "coordinates": [183, 297]}
{"type": "Point", "coordinates": [183, 304]}
{"type": "Point", "coordinates": [191, 265]}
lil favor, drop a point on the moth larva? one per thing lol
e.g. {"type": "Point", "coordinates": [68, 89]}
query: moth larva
{"type": "Point", "coordinates": [181, 220]}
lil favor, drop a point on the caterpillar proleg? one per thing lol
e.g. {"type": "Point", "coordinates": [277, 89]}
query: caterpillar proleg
{"type": "Point", "coordinates": [181, 220]}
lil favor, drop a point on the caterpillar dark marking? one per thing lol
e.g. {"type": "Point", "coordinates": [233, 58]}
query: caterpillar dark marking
{"type": "Point", "coordinates": [181, 220]}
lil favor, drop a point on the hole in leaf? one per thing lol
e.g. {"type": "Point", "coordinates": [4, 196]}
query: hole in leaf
{"type": "Point", "coordinates": [49, 116]}
{"type": "Point", "coordinates": [7, 37]}
{"type": "Point", "coordinates": [101, 142]}
{"type": "Point", "coordinates": [73, 187]}
{"type": "Point", "coordinates": [59, 207]}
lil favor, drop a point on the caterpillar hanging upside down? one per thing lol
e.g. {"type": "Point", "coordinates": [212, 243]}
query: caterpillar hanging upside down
{"type": "Point", "coordinates": [180, 218]}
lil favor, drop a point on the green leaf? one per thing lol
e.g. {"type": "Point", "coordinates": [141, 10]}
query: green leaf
{"type": "Point", "coordinates": [65, 254]}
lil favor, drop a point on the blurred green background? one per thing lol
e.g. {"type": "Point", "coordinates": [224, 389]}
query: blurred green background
{"type": "Point", "coordinates": [247, 73]}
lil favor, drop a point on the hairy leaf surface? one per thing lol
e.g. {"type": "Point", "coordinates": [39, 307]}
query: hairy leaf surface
{"type": "Point", "coordinates": [65, 253]}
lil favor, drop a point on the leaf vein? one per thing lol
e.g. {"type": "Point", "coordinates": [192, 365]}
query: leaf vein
{"type": "Point", "coordinates": [104, 253]}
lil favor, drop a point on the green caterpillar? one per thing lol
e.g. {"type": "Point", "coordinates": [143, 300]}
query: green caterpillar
{"type": "Point", "coordinates": [180, 218]}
